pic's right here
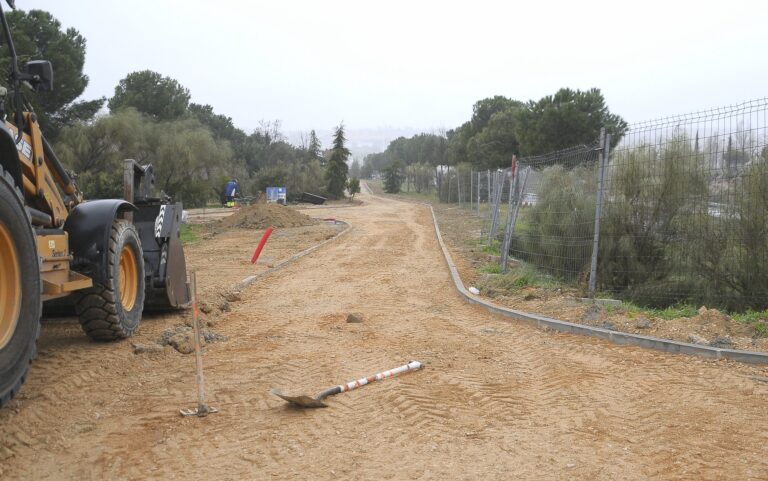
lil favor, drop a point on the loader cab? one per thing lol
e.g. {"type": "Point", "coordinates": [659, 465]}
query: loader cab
{"type": "Point", "coordinates": [35, 74]}
{"type": "Point", "coordinates": [39, 75]}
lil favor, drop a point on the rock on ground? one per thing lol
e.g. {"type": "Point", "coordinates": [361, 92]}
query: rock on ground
{"type": "Point", "coordinates": [182, 338]}
{"type": "Point", "coordinates": [696, 339]}
{"type": "Point", "coordinates": [593, 313]}
{"type": "Point", "coordinates": [643, 323]}
{"type": "Point", "coordinates": [233, 296]}
{"type": "Point", "coordinates": [722, 341]}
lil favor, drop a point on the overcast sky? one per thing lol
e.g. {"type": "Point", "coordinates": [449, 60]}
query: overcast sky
{"type": "Point", "coordinates": [422, 64]}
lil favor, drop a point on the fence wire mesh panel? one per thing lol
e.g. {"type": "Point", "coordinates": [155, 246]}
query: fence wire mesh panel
{"type": "Point", "coordinates": [684, 215]}
{"type": "Point", "coordinates": [686, 211]}
{"type": "Point", "coordinates": [556, 221]}
{"type": "Point", "coordinates": [494, 195]}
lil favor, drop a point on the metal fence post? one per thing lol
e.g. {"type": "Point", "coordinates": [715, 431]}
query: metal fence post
{"type": "Point", "coordinates": [512, 217]}
{"type": "Point", "coordinates": [605, 152]}
{"type": "Point", "coordinates": [458, 185]}
{"type": "Point", "coordinates": [448, 198]}
{"type": "Point", "coordinates": [478, 193]}
{"type": "Point", "coordinates": [488, 173]}
{"type": "Point", "coordinates": [508, 228]}
{"type": "Point", "coordinates": [471, 188]}
{"type": "Point", "coordinates": [500, 181]}
{"type": "Point", "coordinates": [491, 194]}
{"type": "Point", "coordinates": [492, 183]}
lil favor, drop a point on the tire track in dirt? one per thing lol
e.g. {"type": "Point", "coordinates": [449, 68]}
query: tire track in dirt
{"type": "Point", "coordinates": [497, 399]}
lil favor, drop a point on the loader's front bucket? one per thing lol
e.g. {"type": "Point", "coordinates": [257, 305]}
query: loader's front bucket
{"type": "Point", "coordinates": [177, 289]}
{"type": "Point", "coordinates": [159, 227]}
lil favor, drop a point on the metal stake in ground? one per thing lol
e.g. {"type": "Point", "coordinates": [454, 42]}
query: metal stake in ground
{"type": "Point", "coordinates": [202, 408]}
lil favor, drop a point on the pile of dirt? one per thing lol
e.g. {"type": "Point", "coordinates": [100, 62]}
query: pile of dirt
{"type": "Point", "coordinates": [182, 338]}
{"type": "Point", "coordinates": [262, 216]}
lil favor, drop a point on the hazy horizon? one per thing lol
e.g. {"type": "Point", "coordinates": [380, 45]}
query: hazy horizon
{"type": "Point", "coordinates": [421, 66]}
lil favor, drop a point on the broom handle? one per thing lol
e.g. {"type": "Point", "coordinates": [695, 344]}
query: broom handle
{"type": "Point", "coordinates": [411, 366]}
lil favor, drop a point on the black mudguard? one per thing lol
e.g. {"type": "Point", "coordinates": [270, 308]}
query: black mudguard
{"type": "Point", "coordinates": [89, 226]}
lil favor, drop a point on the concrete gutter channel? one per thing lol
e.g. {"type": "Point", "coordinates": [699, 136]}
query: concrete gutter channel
{"type": "Point", "coordinates": [666, 345]}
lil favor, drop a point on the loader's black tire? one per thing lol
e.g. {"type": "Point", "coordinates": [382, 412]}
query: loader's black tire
{"type": "Point", "coordinates": [112, 310]}
{"type": "Point", "coordinates": [20, 295]}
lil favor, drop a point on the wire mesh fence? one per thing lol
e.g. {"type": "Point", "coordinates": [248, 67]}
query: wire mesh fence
{"type": "Point", "coordinates": [686, 210]}
{"type": "Point", "coordinates": [681, 211]}
{"type": "Point", "coordinates": [674, 211]}
{"type": "Point", "coordinates": [555, 229]}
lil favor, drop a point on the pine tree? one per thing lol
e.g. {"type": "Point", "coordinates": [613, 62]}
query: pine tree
{"type": "Point", "coordinates": [393, 177]}
{"type": "Point", "coordinates": [315, 148]}
{"type": "Point", "coordinates": [336, 171]}
{"type": "Point", "coordinates": [353, 186]}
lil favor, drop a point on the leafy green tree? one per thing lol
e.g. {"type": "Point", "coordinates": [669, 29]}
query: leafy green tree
{"type": "Point", "coordinates": [420, 176]}
{"type": "Point", "coordinates": [488, 140]}
{"type": "Point", "coordinates": [374, 163]}
{"type": "Point", "coordinates": [95, 151]}
{"type": "Point", "coordinates": [188, 159]}
{"type": "Point", "coordinates": [336, 170]}
{"type": "Point", "coordinates": [186, 155]}
{"type": "Point", "coordinates": [568, 118]}
{"type": "Point", "coordinates": [394, 176]}
{"type": "Point", "coordinates": [38, 35]}
{"type": "Point", "coordinates": [485, 109]}
{"type": "Point", "coordinates": [161, 98]}
{"type": "Point", "coordinates": [353, 186]}
{"type": "Point", "coordinates": [220, 126]}
{"type": "Point", "coordinates": [458, 139]}
{"type": "Point", "coordinates": [267, 147]}
{"type": "Point", "coordinates": [312, 179]}
{"type": "Point", "coordinates": [497, 142]}
{"type": "Point", "coordinates": [274, 176]}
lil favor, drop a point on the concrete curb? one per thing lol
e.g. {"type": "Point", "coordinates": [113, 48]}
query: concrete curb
{"type": "Point", "coordinates": [323, 206]}
{"type": "Point", "coordinates": [251, 279]}
{"type": "Point", "coordinates": [666, 345]}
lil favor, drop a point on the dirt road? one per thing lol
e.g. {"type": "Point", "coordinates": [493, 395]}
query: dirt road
{"type": "Point", "coordinates": [497, 400]}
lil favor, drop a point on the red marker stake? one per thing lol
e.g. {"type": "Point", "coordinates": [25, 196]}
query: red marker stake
{"type": "Point", "coordinates": [261, 245]}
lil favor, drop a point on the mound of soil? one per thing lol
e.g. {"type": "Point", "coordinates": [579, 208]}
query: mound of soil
{"type": "Point", "coordinates": [262, 216]}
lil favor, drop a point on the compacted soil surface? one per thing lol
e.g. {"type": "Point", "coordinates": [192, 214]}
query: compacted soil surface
{"type": "Point", "coordinates": [496, 399]}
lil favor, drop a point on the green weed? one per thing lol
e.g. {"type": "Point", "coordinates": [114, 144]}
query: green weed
{"type": "Point", "coordinates": [188, 234]}
{"type": "Point", "coordinates": [750, 316]}
{"type": "Point", "coordinates": [761, 329]}
{"type": "Point", "coordinates": [493, 248]}
{"type": "Point", "coordinates": [669, 313]}
{"type": "Point", "coordinates": [491, 269]}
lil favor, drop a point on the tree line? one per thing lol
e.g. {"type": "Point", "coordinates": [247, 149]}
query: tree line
{"type": "Point", "coordinates": [501, 127]}
{"type": "Point", "coordinates": [152, 119]}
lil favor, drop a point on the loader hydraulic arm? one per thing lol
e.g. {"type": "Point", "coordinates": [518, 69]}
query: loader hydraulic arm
{"type": "Point", "coordinates": [49, 190]}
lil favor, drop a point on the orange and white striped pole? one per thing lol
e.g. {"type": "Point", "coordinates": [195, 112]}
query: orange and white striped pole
{"type": "Point", "coordinates": [317, 401]}
{"type": "Point", "coordinates": [411, 366]}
